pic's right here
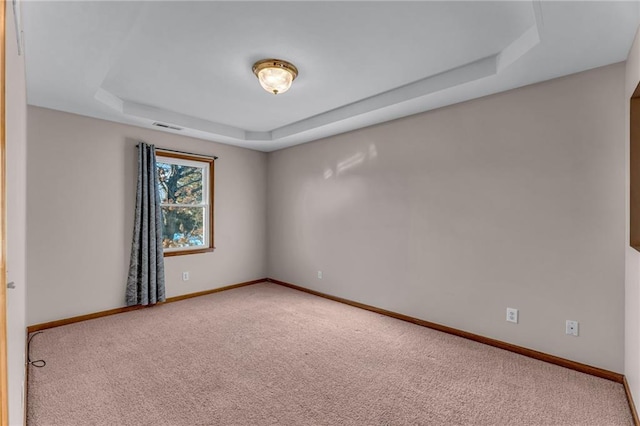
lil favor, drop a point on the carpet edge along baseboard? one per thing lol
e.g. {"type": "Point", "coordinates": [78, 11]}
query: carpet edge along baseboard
{"type": "Point", "coordinates": [584, 368]}
{"type": "Point", "coordinates": [563, 362]}
{"type": "Point", "coordinates": [79, 318]}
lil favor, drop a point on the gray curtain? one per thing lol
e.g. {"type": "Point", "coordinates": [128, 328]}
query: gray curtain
{"type": "Point", "coordinates": [145, 285]}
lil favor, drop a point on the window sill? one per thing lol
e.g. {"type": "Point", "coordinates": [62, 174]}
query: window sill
{"type": "Point", "coordinates": [185, 252]}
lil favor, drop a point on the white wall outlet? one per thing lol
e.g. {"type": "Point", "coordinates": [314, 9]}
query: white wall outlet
{"type": "Point", "coordinates": [319, 275]}
{"type": "Point", "coordinates": [572, 328]}
{"type": "Point", "coordinates": [512, 315]}
{"type": "Point", "coordinates": [185, 276]}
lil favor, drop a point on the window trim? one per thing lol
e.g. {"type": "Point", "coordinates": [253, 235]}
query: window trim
{"type": "Point", "coordinates": [210, 161]}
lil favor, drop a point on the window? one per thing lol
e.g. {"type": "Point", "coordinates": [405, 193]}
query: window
{"type": "Point", "coordinates": [186, 201]}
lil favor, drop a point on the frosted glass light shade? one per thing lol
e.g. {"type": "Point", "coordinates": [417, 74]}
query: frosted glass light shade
{"type": "Point", "coordinates": [275, 75]}
{"type": "Point", "coordinates": [275, 80]}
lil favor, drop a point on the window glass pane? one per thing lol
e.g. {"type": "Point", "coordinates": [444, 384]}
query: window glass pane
{"type": "Point", "coordinates": [180, 184]}
{"type": "Point", "coordinates": [183, 227]}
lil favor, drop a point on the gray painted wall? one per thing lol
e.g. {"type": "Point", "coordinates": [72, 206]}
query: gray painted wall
{"type": "Point", "coordinates": [513, 200]}
{"type": "Point", "coordinates": [16, 169]}
{"type": "Point", "coordinates": [81, 199]}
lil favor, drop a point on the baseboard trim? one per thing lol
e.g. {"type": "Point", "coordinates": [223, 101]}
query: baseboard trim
{"type": "Point", "coordinates": [632, 405]}
{"type": "Point", "coordinates": [563, 362]}
{"type": "Point", "coordinates": [80, 318]}
{"type": "Point", "coordinates": [215, 290]}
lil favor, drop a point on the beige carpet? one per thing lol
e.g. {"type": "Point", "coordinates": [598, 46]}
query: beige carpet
{"type": "Point", "coordinates": [269, 355]}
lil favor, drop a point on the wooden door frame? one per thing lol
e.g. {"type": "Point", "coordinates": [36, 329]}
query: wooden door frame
{"type": "Point", "coordinates": [4, 398]}
{"type": "Point", "coordinates": [634, 169]}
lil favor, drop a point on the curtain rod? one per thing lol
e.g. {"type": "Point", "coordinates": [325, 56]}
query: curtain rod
{"type": "Point", "coordinates": [184, 152]}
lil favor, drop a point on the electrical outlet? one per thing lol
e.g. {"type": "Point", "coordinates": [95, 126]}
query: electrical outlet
{"type": "Point", "coordinates": [512, 315]}
{"type": "Point", "coordinates": [572, 328]}
{"type": "Point", "coordinates": [319, 275]}
{"type": "Point", "coordinates": [185, 276]}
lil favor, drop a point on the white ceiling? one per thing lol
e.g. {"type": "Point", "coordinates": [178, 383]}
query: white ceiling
{"type": "Point", "coordinates": [188, 64]}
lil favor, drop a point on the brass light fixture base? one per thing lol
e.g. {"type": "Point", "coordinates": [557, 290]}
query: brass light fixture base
{"type": "Point", "coordinates": [275, 63]}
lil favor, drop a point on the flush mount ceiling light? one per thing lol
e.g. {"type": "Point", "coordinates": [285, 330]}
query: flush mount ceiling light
{"type": "Point", "coordinates": [275, 75]}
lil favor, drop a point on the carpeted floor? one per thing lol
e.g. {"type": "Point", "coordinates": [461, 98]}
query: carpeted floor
{"type": "Point", "coordinates": [269, 355]}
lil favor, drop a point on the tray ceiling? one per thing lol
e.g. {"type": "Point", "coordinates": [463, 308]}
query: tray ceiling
{"type": "Point", "coordinates": [188, 64]}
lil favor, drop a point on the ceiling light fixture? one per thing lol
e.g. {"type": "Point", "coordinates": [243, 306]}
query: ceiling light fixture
{"type": "Point", "coordinates": [275, 75]}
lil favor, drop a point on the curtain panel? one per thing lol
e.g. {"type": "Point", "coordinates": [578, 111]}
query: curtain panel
{"type": "Point", "coordinates": [145, 284]}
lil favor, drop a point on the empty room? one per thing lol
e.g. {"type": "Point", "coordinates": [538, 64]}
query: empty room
{"type": "Point", "coordinates": [319, 213]}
